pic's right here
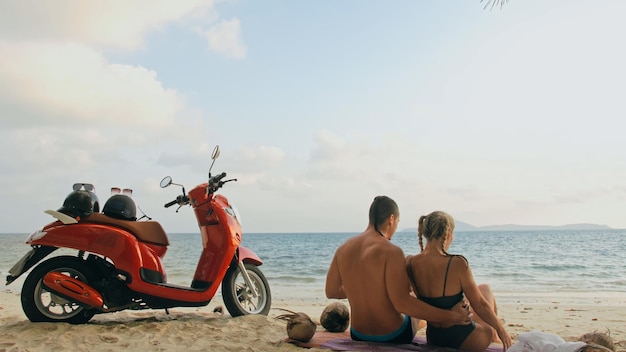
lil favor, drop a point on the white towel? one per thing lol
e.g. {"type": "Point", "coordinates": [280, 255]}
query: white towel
{"type": "Point", "coordinates": [537, 341]}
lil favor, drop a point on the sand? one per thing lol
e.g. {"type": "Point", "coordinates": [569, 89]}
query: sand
{"type": "Point", "coordinates": [199, 329]}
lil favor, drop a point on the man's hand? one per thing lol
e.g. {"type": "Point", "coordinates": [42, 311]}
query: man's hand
{"type": "Point", "coordinates": [464, 315]}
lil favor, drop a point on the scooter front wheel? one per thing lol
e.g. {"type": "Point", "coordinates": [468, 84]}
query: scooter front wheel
{"type": "Point", "coordinates": [41, 305]}
{"type": "Point", "coordinates": [239, 298]}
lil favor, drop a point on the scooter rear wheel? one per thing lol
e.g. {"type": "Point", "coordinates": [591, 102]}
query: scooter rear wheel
{"type": "Point", "coordinates": [41, 305]}
{"type": "Point", "coordinates": [239, 298]}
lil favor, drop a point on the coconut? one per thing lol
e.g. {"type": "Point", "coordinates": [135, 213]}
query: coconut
{"type": "Point", "coordinates": [594, 348]}
{"type": "Point", "coordinates": [598, 339]}
{"type": "Point", "coordinates": [335, 317]}
{"type": "Point", "coordinates": [300, 327]}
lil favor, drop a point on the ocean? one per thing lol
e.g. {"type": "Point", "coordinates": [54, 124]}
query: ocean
{"type": "Point", "coordinates": [513, 263]}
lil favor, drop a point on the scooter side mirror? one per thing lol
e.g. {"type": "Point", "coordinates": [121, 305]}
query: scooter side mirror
{"type": "Point", "coordinates": [214, 155]}
{"type": "Point", "coordinates": [216, 152]}
{"type": "Point", "coordinates": [166, 181]}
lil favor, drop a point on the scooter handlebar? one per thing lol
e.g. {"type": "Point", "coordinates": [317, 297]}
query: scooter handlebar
{"type": "Point", "coordinates": [217, 178]}
{"type": "Point", "coordinates": [171, 203]}
{"type": "Point", "coordinates": [180, 200]}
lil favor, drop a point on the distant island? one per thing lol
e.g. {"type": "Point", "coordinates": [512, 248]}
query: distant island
{"type": "Point", "coordinates": [463, 226]}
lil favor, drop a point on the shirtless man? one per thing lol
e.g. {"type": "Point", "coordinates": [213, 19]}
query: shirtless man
{"type": "Point", "coordinates": [370, 272]}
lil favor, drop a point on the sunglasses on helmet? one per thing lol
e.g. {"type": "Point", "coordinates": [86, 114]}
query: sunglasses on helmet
{"type": "Point", "coordinates": [84, 186]}
{"type": "Point", "coordinates": [126, 191]}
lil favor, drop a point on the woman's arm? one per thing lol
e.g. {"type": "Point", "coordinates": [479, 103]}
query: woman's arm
{"type": "Point", "coordinates": [480, 305]}
{"type": "Point", "coordinates": [407, 264]}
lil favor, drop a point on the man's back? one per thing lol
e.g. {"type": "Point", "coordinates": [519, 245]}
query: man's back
{"type": "Point", "coordinates": [362, 264]}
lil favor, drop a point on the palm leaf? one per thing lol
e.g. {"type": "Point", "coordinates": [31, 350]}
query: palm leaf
{"type": "Point", "coordinates": [493, 3]}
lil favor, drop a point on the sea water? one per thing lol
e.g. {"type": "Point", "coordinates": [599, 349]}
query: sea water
{"type": "Point", "coordinates": [516, 262]}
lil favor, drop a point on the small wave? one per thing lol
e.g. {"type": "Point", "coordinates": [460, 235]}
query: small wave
{"type": "Point", "coordinates": [558, 267]}
{"type": "Point", "coordinates": [506, 275]}
{"type": "Point", "coordinates": [292, 278]}
{"type": "Point", "coordinates": [287, 257]}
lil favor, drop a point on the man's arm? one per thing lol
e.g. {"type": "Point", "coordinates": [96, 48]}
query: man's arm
{"type": "Point", "coordinates": [397, 282]}
{"type": "Point", "coordinates": [334, 285]}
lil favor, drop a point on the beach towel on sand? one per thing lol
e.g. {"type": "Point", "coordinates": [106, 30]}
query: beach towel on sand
{"type": "Point", "coordinates": [343, 342]}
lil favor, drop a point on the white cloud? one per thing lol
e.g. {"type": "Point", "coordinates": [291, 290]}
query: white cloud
{"type": "Point", "coordinates": [225, 38]}
{"type": "Point", "coordinates": [112, 23]}
{"type": "Point", "coordinates": [57, 150]}
{"type": "Point", "coordinates": [53, 82]}
{"type": "Point", "coordinates": [364, 159]}
{"type": "Point", "coordinates": [260, 166]}
{"type": "Point", "coordinates": [259, 157]}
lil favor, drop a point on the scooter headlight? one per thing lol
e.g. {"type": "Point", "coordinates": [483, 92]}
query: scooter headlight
{"type": "Point", "coordinates": [232, 211]}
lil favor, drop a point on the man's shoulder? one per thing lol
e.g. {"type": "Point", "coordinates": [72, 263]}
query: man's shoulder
{"type": "Point", "coordinates": [348, 245]}
{"type": "Point", "coordinates": [393, 247]}
{"type": "Point", "coordinates": [351, 241]}
{"type": "Point", "coordinates": [363, 241]}
{"type": "Point", "coordinates": [388, 250]}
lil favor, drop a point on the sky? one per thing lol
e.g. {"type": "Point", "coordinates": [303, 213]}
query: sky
{"type": "Point", "coordinates": [511, 115]}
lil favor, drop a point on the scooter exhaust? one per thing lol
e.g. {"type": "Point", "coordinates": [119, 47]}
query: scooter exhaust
{"type": "Point", "coordinates": [74, 289]}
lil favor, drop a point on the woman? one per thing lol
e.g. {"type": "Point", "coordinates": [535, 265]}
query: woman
{"type": "Point", "coordinates": [441, 279]}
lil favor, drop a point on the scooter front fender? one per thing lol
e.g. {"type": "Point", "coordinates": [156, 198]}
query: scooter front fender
{"type": "Point", "coordinates": [246, 255]}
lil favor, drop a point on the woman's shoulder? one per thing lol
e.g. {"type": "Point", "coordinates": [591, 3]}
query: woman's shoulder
{"type": "Point", "coordinates": [418, 260]}
{"type": "Point", "coordinates": [459, 260]}
{"type": "Point", "coordinates": [417, 257]}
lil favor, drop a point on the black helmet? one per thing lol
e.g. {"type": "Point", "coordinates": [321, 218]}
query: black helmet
{"type": "Point", "coordinates": [120, 206]}
{"type": "Point", "coordinates": [95, 203]}
{"type": "Point", "coordinates": [79, 204]}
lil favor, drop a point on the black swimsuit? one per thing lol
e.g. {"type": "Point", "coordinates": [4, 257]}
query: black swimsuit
{"type": "Point", "coordinates": [453, 336]}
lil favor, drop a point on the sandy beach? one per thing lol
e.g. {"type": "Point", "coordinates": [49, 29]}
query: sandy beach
{"type": "Point", "coordinates": [199, 329]}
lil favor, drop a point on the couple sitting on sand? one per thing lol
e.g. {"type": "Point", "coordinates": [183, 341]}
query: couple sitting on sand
{"type": "Point", "coordinates": [389, 294]}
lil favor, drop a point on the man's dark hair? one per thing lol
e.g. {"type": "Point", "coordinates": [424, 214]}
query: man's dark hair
{"type": "Point", "coordinates": [381, 209]}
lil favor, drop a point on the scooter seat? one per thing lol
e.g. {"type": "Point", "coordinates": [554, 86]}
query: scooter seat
{"type": "Point", "coordinates": [145, 231]}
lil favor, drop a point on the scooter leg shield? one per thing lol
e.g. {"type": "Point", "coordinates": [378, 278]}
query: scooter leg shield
{"type": "Point", "coordinates": [73, 289]}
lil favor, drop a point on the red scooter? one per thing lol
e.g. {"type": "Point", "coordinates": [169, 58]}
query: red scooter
{"type": "Point", "coordinates": [119, 262]}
